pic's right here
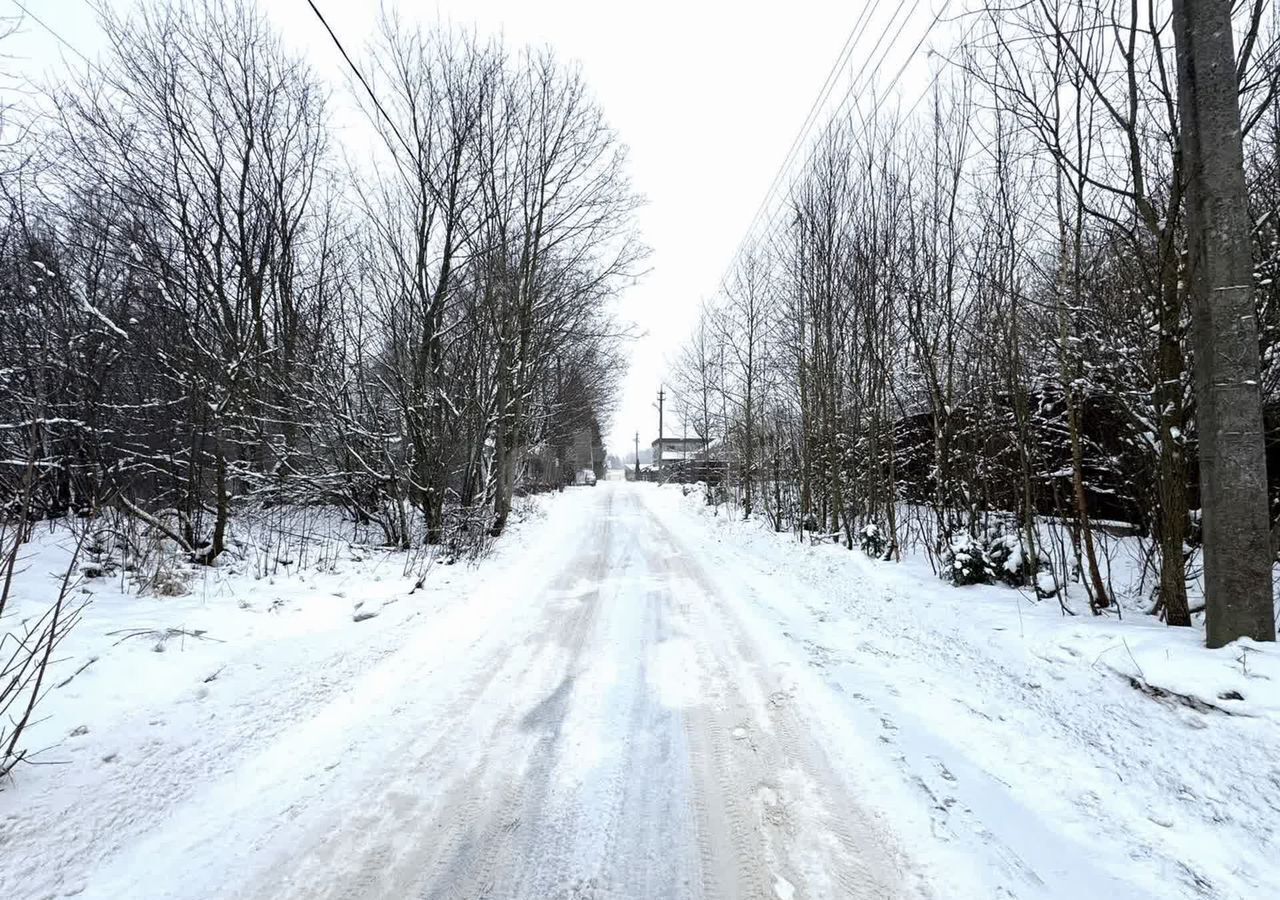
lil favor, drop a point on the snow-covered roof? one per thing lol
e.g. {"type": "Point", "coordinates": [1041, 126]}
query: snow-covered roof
{"type": "Point", "coordinates": [686, 441]}
{"type": "Point", "coordinates": [678, 455]}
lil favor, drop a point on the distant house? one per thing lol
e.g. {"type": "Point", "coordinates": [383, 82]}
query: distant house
{"type": "Point", "coordinates": [670, 451]}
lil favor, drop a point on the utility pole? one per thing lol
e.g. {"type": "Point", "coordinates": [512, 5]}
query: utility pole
{"type": "Point", "coordinates": [658, 461]}
{"type": "Point", "coordinates": [637, 456]}
{"type": "Point", "coordinates": [1233, 471]}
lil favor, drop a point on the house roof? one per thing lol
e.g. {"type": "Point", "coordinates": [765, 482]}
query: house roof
{"type": "Point", "coordinates": [688, 442]}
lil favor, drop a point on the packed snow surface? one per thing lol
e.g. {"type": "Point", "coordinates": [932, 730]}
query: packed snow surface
{"type": "Point", "coordinates": [634, 697]}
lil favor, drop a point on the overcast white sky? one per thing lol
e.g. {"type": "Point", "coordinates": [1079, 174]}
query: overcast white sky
{"type": "Point", "coordinates": [708, 95]}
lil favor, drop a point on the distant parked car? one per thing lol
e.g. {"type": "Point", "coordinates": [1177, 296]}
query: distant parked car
{"type": "Point", "coordinates": [587, 477]}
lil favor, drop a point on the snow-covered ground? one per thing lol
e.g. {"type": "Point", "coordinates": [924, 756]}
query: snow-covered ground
{"type": "Point", "coordinates": [634, 698]}
{"type": "Point", "coordinates": [1015, 739]}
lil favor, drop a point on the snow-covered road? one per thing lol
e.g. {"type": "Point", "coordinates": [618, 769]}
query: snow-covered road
{"type": "Point", "coordinates": [610, 734]}
{"type": "Point", "coordinates": [612, 738]}
{"type": "Point", "coordinates": [622, 703]}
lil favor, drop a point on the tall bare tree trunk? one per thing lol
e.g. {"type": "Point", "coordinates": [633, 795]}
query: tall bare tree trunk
{"type": "Point", "coordinates": [1233, 471]}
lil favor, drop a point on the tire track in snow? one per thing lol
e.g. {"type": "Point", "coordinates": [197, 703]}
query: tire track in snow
{"type": "Point", "coordinates": [482, 859]}
{"type": "Point", "coordinates": [456, 847]}
{"type": "Point", "coordinates": [610, 735]}
{"type": "Point", "coordinates": [830, 847]}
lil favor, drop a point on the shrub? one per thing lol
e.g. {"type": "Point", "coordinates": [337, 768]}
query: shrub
{"type": "Point", "coordinates": [28, 648]}
{"type": "Point", "coordinates": [1008, 560]}
{"type": "Point", "coordinates": [873, 541]}
{"type": "Point", "coordinates": [966, 561]}
{"type": "Point", "coordinates": [999, 556]}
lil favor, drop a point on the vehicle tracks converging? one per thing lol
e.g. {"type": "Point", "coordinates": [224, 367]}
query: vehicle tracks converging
{"type": "Point", "coordinates": [611, 734]}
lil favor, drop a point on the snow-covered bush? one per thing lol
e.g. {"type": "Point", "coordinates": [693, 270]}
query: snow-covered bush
{"type": "Point", "coordinates": [966, 561]}
{"type": "Point", "coordinates": [169, 581]}
{"type": "Point", "coordinates": [717, 494]}
{"type": "Point", "coordinates": [160, 569]}
{"type": "Point", "coordinates": [1046, 583]}
{"type": "Point", "coordinates": [997, 557]}
{"type": "Point", "coordinates": [1008, 560]}
{"type": "Point", "coordinates": [873, 541]}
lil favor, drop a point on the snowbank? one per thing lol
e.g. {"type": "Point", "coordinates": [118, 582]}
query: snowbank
{"type": "Point", "coordinates": [154, 697]}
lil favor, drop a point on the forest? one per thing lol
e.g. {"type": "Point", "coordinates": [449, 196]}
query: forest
{"type": "Point", "coordinates": [963, 328]}
{"type": "Point", "coordinates": [208, 305]}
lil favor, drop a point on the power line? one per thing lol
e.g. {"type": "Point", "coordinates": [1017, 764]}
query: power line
{"type": "Point", "coordinates": [341, 49]}
{"type": "Point", "coordinates": [58, 37]}
{"type": "Point", "coordinates": [853, 85]}
{"type": "Point", "coordinates": [854, 90]}
{"type": "Point", "coordinates": [784, 169]}
{"type": "Point", "coordinates": [45, 25]}
{"type": "Point", "coordinates": [855, 34]}
{"type": "Point", "coordinates": [893, 83]}
{"type": "Point", "coordinates": [936, 75]}
{"type": "Point", "coordinates": [359, 75]}
{"type": "Point", "coordinates": [903, 68]}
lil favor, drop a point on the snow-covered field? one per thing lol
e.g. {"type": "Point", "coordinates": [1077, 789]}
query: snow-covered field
{"type": "Point", "coordinates": [633, 697]}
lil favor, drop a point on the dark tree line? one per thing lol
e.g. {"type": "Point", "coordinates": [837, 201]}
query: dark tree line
{"type": "Point", "coordinates": [204, 304]}
{"type": "Point", "coordinates": [970, 320]}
